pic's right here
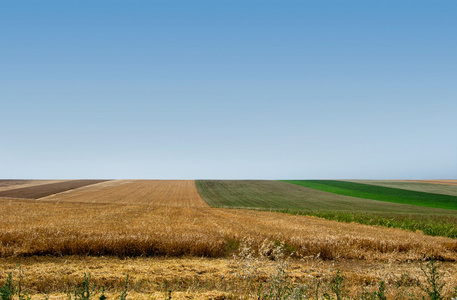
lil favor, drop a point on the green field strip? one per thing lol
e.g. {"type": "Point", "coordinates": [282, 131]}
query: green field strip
{"type": "Point", "coordinates": [277, 195]}
{"type": "Point", "coordinates": [380, 193]}
{"type": "Point", "coordinates": [426, 187]}
{"type": "Point", "coordinates": [299, 200]}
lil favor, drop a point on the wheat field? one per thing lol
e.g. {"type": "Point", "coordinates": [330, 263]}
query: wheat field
{"type": "Point", "coordinates": [49, 228]}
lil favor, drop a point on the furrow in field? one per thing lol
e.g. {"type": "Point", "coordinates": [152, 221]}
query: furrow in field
{"type": "Point", "coordinates": [149, 192]}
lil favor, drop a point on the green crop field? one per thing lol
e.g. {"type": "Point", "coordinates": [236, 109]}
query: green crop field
{"type": "Point", "coordinates": [277, 195]}
{"type": "Point", "coordinates": [298, 199]}
{"type": "Point", "coordinates": [381, 193]}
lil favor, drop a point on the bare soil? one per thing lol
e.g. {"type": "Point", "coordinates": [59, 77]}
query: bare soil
{"type": "Point", "coordinates": [43, 190]}
{"type": "Point", "coordinates": [25, 183]}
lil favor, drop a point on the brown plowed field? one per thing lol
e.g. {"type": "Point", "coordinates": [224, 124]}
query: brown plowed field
{"type": "Point", "coordinates": [15, 184]}
{"type": "Point", "coordinates": [442, 181]}
{"type": "Point", "coordinates": [43, 190]}
{"type": "Point", "coordinates": [151, 192]}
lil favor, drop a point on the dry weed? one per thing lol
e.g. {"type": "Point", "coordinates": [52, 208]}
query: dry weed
{"type": "Point", "coordinates": [203, 278]}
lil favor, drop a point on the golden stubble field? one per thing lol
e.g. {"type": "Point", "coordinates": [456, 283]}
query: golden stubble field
{"type": "Point", "coordinates": [164, 236]}
{"type": "Point", "coordinates": [215, 278]}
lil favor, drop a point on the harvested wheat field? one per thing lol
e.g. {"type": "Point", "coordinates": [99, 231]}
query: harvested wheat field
{"type": "Point", "coordinates": [241, 277]}
{"type": "Point", "coordinates": [150, 192]}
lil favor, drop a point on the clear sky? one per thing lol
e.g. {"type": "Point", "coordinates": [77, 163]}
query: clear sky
{"type": "Point", "coordinates": [228, 89]}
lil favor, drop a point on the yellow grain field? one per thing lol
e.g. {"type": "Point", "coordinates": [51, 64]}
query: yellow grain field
{"type": "Point", "coordinates": [50, 228]}
{"type": "Point", "coordinates": [151, 192]}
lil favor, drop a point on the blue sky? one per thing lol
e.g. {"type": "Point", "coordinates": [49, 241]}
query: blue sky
{"type": "Point", "coordinates": [228, 89]}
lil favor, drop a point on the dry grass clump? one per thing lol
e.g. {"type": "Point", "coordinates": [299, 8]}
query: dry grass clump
{"type": "Point", "coordinates": [49, 228]}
